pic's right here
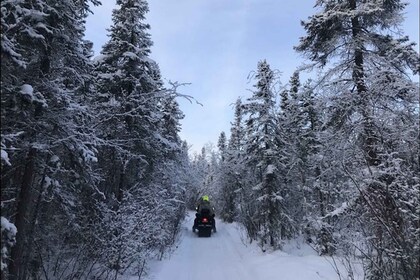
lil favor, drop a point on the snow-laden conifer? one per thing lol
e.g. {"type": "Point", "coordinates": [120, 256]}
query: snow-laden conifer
{"type": "Point", "coordinates": [370, 105]}
{"type": "Point", "coordinates": [269, 220]}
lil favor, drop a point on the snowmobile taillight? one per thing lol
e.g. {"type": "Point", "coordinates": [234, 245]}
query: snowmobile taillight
{"type": "Point", "coordinates": [205, 220]}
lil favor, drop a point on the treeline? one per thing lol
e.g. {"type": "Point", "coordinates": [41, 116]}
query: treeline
{"type": "Point", "coordinates": [335, 158]}
{"type": "Point", "coordinates": [93, 172]}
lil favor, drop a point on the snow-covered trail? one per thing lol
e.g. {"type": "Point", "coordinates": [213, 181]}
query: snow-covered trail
{"type": "Point", "coordinates": [217, 257]}
{"type": "Point", "coordinates": [224, 256]}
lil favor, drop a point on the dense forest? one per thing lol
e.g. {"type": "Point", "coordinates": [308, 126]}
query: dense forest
{"type": "Point", "coordinates": [95, 178]}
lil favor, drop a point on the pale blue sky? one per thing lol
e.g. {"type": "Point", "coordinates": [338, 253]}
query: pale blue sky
{"type": "Point", "coordinates": [215, 44]}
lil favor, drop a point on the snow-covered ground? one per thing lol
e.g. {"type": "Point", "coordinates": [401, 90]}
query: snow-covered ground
{"type": "Point", "coordinates": [224, 256]}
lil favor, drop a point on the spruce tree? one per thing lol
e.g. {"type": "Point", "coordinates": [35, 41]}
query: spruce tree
{"type": "Point", "coordinates": [358, 32]}
{"type": "Point", "coordinates": [369, 89]}
{"type": "Point", "coordinates": [269, 218]}
{"type": "Point", "coordinates": [138, 122]}
{"type": "Point", "coordinates": [45, 119]}
{"type": "Point", "coordinates": [128, 97]}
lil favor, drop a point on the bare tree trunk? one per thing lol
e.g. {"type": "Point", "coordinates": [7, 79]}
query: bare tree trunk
{"type": "Point", "coordinates": [359, 79]}
{"type": "Point", "coordinates": [16, 260]}
{"type": "Point", "coordinates": [120, 192]}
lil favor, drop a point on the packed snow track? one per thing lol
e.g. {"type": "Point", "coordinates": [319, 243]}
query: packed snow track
{"type": "Point", "coordinates": [202, 258]}
{"type": "Point", "coordinates": [224, 256]}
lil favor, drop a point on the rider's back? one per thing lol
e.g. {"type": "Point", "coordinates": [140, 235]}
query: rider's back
{"type": "Point", "coordinates": [205, 208]}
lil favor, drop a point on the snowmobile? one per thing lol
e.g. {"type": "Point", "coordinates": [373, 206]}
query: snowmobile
{"type": "Point", "coordinates": [205, 224]}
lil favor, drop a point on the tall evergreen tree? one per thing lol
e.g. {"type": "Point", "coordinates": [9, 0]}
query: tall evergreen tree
{"type": "Point", "coordinates": [369, 87]}
{"type": "Point", "coordinates": [236, 131]}
{"type": "Point", "coordinates": [222, 145]}
{"type": "Point", "coordinates": [357, 32]}
{"type": "Point", "coordinates": [128, 96]}
{"type": "Point", "coordinates": [44, 117]}
{"type": "Point", "coordinates": [225, 181]}
{"type": "Point", "coordinates": [261, 126]}
{"type": "Point", "coordinates": [231, 169]}
{"type": "Point", "coordinates": [139, 122]}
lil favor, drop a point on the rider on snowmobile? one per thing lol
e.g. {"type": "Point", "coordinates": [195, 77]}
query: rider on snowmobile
{"type": "Point", "coordinates": [204, 207]}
